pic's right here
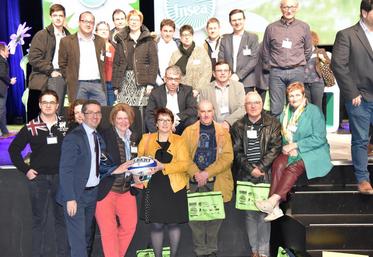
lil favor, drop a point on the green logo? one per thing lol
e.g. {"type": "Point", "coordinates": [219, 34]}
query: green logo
{"type": "Point", "coordinates": [193, 12]}
{"type": "Point", "coordinates": [92, 3]}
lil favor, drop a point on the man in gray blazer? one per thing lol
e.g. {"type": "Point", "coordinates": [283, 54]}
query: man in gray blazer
{"type": "Point", "coordinates": [240, 50]}
{"type": "Point", "coordinates": [176, 97]}
{"type": "Point", "coordinates": [352, 64]}
{"type": "Point", "coordinates": [226, 95]}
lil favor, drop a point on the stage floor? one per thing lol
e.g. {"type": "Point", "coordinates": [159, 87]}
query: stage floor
{"type": "Point", "coordinates": [340, 148]}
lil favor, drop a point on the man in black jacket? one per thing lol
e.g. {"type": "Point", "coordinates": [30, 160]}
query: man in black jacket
{"type": "Point", "coordinates": [44, 134]}
{"type": "Point", "coordinates": [5, 80]}
{"type": "Point", "coordinates": [256, 144]}
{"type": "Point", "coordinates": [174, 96]}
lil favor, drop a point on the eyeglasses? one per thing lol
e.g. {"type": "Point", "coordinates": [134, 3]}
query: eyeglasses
{"type": "Point", "coordinates": [164, 121]}
{"type": "Point", "coordinates": [50, 103]}
{"type": "Point", "coordinates": [221, 70]}
{"type": "Point", "coordinates": [253, 103]}
{"type": "Point", "coordinates": [173, 79]}
{"type": "Point", "coordinates": [186, 35]}
{"type": "Point", "coordinates": [86, 22]}
{"type": "Point", "coordinates": [93, 113]}
{"type": "Point", "coordinates": [292, 7]}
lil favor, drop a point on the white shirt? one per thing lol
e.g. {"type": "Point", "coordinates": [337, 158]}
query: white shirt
{"type": "Point", "coordinates": [93, 180]}
{"type": "Point", "coordinates": [222, 99]}
{"type": "Point", "coordinates": [368, 33]}
{"type": "Point", "coordinates": [88, 66]}
{"type": "Point", "coordinates": [165, 51]}
{"type": "Point", "coordinates": [58, 35]}
{"type": "Point", "coordinates": [172, 103]}
{"type": "Point", "coordinates": [236, 46]}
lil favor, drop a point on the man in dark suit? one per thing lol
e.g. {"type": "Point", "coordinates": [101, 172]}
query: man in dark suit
{"type": "Point", "coordinates": [240, 50]}
{"type": "Point", "coordinates": [79, 178]}
{"type": "Point", "coordinates": [81, 60]}
{"type": "Point", "coordinates": [174, 96]}
{"type": "Point", "coordinates": [352, 64]}
{"type": "Point", "coordinates": [5, 80]}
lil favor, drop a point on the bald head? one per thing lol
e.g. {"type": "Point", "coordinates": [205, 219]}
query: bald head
{"type": "Point", "coordinates": [205, 112]}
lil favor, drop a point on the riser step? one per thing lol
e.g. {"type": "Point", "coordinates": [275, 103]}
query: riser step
{"type": "Point", "coordinates": [336, 202]}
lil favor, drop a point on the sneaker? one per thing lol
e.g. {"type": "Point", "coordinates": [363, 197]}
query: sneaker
{"type": "Point", "coordinates": [274, 215]}
{"type": "Point", "coordinates": [264, 206]}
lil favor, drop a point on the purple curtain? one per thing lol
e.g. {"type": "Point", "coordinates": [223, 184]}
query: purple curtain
{"type": "Point", "coordinates": [9, 21]}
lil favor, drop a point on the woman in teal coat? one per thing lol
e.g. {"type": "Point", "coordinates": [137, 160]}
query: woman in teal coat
{"type": "Point", "coordinates": [305, 148]}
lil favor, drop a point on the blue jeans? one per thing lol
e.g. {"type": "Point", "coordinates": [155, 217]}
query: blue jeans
{"type": "Point", "coordinates": [279, 79]}
{"type": "Point", "coordinates": [3, 127]}
{"type": "Point", "coordinates": [258, 231]}
{"type": "Point", "coordinates": [91, 90]}
{"type": "Point", "coordinates": [43, 190]}
{"type": "Point", "coordinates": [360, 117]}
{"type": "Point", "coordinates": [314, 93]}
{"type": "Point", "coordinates": [110, 93]}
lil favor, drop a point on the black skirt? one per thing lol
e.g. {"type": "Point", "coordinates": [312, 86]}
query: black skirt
{"type": "Point", "coordinates": [159, 203]}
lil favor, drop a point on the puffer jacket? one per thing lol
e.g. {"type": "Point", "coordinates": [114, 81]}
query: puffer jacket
{"type": "Point", "coordinates": [270, 146]}
{"type": "Point", "coordinates": [145, 61]}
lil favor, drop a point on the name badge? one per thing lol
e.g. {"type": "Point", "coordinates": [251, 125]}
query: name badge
{"type": "Point", "coordinates": [287, 44]}
{"type": "Point", "coordinates": [224, 110]}
{"type": "Point", "coordinates": [102, 57]}
{"type": "Point", "coordinates": [292, 129]}
{"type": "Point", "coordinates": [196, 61]}
{"type": "Point", "coordinates": [133, 149]}
{"type": "Point", "coordinates": [247, 51]}
{"type": "Point", "coordinates": [51, 140]}
{"type": "Point", "coordinates": [108, 54]}
{"type": "Point", "coordinates": [214, 54]}
{"type": "Point", "coordinates": [252, 134]}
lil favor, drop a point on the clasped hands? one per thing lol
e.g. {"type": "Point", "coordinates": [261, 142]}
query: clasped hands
{"type": "Point", "coordinates": [290, 149]}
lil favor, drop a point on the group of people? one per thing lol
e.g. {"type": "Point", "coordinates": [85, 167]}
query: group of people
{"type": "Point", "coordinates": [202, 109]}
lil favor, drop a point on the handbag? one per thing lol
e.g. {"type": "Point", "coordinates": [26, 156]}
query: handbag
{"type": "Point", "coordinates": [248, 193]}
{"type": "Point", "coordinates": [150, 253]}
{"type": "Point", "coordinates": [323, 66]}
{"type": "Point", "coordinates": [204, 206]}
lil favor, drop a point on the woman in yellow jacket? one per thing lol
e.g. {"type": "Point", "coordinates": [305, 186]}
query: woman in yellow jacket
{"type": "Point", "coordinates": [164, 202]}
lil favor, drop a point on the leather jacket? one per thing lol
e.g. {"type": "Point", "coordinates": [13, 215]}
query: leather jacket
{"type": "Point", "coordinates": [270, 147]}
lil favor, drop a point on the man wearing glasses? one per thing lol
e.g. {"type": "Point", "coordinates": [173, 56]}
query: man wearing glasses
{"type": "Point", "coordinates": [286, 48]}
{"type": "Point", "coordinates": [226, 95]}
{"type": "Point", "coordinates": [44, 134]}
{"type": "Point", "coordinates": [81, 60]}
{"type": "Point", "coordinates": [79, 178]}
{"type": "Point", "coordinates": [43, 58]}
{"type": "Point", "coordinates": [176, 97]}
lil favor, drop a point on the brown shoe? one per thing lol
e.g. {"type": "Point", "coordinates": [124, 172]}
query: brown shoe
{"type": "Point", "coordinates": [254, 254]}
{"type": "Point", "coordinates": [365, 188]}
{"type": "Point", "coordinates": [370, 149]}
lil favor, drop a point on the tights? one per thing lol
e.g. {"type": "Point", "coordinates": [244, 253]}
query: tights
{"type": "Point", "coordinates": [156, 235]}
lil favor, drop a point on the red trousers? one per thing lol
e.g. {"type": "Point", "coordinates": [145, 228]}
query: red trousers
{"type": "Point", "coordinates": [284, 176]}
{"type": "Point", "coordinates": [116, 237]}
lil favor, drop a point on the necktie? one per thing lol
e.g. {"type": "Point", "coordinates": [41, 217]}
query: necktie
{"type": "Point", "coordinates": [97, 151]}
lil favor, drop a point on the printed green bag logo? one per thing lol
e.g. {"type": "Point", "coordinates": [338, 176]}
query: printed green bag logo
{"type": "Point", "coordinates": [192, 12]}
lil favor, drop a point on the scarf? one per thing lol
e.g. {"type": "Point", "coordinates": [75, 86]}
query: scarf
{"type": "Point", "coordinates": [185, 54]}
{"type": "Point", "coordinates": [287, 123]}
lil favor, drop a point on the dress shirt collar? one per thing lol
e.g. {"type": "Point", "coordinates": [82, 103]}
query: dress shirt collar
{"type": "Point", "coordinates": [82, 38]}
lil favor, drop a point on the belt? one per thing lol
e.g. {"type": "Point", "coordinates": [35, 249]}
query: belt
{"type": "Point", "coordinates": [89, 188]}
{"type": "Point", "coordinates": [288, 67]}
{"type": "Point", "coordinates": [91, 81]}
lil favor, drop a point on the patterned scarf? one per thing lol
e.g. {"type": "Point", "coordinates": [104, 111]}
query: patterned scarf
{"type": "Point", "coordinates": [288, 124]}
